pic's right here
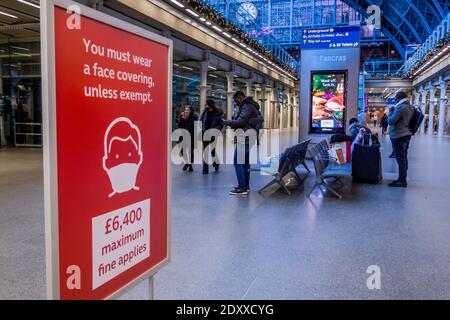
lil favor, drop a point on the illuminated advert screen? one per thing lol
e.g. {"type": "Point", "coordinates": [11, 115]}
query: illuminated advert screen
{"type": "Point", "coordinates": [328, 101]}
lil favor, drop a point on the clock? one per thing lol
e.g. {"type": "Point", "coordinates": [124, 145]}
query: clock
{"type": "Point", "coordinates": [246, 13]}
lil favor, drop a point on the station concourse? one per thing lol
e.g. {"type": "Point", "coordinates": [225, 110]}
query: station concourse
{"type": "Point", "coordinates": [309, 68]}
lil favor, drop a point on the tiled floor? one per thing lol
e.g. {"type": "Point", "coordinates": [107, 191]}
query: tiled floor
{"type": "Point", "coordinates": [269, 246]}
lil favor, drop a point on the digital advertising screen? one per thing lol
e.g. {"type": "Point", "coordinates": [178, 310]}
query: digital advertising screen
{"type": "Point", "coordinates": [328, 101]}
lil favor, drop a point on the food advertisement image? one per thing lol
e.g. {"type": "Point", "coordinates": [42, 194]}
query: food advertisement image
{"type": "Point", "coordinates": [328, 102]}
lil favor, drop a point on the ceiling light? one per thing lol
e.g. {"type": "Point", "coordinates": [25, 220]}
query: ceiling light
{"type": "Point", "coordinates": [235, 40]}
{"type": "Point", "coordinates": [8, 15]}
{"type": "Point", "coordinates": [213, 68]}
{"type": "Point", "coordinates": [20, 48]}
{"type": "Point", "coordinates": [177, 3]}
{"type": "Point", "coordinates": [208, 23]}
{"type": "Point", "coordinates": [203, 19]}
{"type": "Point", "coordinates": [22, 54]}
{"type": "Point", "coordinates": [192, 12]}
{"type": "Point", "coordinates": [187, 68]}
{"type": "Point", "coordinates": [29, 3]}
{"type": "Point", "coordinates": [217, 28]}
{"type": "Point", "coordinates": [226, 34]}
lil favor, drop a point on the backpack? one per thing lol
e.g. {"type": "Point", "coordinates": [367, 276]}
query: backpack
{"type": "Point", "coordinates": [416, 120]}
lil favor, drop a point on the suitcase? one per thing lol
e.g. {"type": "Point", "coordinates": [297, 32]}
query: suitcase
{"type": "Point", "coordinates": [366, 166]}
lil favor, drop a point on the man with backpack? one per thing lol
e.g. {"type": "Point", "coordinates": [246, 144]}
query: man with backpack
{"type": "Point", "coordinates": [401, 123]}
{"type": "Point", "coordinates": [246, 118]}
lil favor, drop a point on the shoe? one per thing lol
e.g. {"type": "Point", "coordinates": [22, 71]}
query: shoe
{"type": "Point", "coordinates": [205, 171]}
{"type": "Point", "coordinates": [190, 168]}
{"type": "Point", "coordinates": [216, 167]}
{"type": "Point", "coordinates": [392, 156]}
{"type": "Point", "coordinates": [239, 192]}
{"type": "Point", "coordinates": [398, 184]}
{"type": "Point", "coordinates": [185, 167]}
{"type": "Point", "coordinates": [246, 188]}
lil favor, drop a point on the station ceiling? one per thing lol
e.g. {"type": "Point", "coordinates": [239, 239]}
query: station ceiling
{"type": "Point", "coordinates": [406, 21]}
{"type": "Point", "coordinates": [18, 20]}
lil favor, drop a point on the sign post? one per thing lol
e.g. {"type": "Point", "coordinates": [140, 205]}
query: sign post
{"type": "Point", "coordinates": [106, 101]}
{"type": "Point", "coordinates": [330, 80]}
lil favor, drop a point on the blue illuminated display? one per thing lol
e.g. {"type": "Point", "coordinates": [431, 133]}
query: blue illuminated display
{"type": "Point", "coordinates": [331, 38]}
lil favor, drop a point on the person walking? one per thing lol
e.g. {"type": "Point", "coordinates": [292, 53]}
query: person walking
{"type": "Point", "coordinates": [399, 118]}
{"type": "Point", "coordinates": [187, 121]}
{"type": "Point", "coordinates": [384, 124]}
{"type": "Point", "coordinates": [246, 118]}
{"type": "Point", "coordinates": [211, 118]}
{"type": "Point", "coordinates": [375, 120]}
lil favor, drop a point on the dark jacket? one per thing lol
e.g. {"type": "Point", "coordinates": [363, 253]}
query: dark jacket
{"type": "Point", "coordinates": [399, 120]}
{"type": "Point", "coordinates": [246, 116]}
{"type": "Point", "coordinates": [188, 124]}
{"type": "Point", "coordinates": [354, 130]}
{"type": "Point", "coordinates": [384, 121]}
{"type": "Point", "coordinates": [216, 121]}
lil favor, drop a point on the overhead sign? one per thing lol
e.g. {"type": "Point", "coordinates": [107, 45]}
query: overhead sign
{"type": "Point", "coordinates": [391, 102]}
{"type": "Point", "coordinates": [106, 89]}
{"type": "Point", "coordinates": [331, 38]}
{"type": "Point", "coordinates": [411, 48]}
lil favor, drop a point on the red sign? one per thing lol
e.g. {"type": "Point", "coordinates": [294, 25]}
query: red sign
{"type": "Point", "coordinates": [112, 140]}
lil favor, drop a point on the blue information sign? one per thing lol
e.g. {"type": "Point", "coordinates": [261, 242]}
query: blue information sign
{"type": "Point", "coordinates": [331, 38]}
{"type": "Point", "coordinates": [391, 102]}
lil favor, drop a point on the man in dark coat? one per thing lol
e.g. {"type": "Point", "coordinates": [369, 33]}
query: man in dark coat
{"type": "Point", "coordinates": [246, 119]}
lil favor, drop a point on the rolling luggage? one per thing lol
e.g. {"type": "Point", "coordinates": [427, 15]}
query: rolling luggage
{"type": "Point", "coordinates": [366, 167]}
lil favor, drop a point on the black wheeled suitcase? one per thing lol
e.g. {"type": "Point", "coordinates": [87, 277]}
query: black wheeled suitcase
{"type": "Point", "coordinates": [366, 164]}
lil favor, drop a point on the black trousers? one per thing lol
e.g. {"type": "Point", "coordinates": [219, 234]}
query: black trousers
{"type": "Point", "coordinates": [213, 153]}
{"type": "Point", "coordinates": [401, 146]}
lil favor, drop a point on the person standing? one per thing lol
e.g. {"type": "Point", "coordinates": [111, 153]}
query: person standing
{"type": "Point", "coordinates": [187, 121]}
{"type": "Point", "coordinates": [245, 119]}
{"type": "Point", "coordinates": [399, 118]}
{"type": "Point", "coordinates": [211, 118]}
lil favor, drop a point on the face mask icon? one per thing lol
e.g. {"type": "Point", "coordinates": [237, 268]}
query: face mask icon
{"type": "Point", "coordinates": [122, 155]}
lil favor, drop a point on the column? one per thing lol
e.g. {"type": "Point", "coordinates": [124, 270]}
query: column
{"type": "Point", "coordinates": [276, 104]}
{"type": "Point", "coordinates": [263, 100]}
{"type": "Point", "coordinates": [423, 107]}
{"type": "Point", "coordinates": [431, 111]}
{"type": "Point", "coordinates": [230, 93]}
{"type": "Point", "coordinates": [442, 106]}
{"type": "Point", "coordinates": [249, 87]}
{"type": "Point", "coordinates": [203, 83]}
{"type": "Point", "coordinates": [289, 108]}
{"type": "Point", "coordinates": [416, 98]}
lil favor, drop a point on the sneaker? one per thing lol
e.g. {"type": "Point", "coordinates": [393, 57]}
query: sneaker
{"type": "Point", "coordinates": [216, 167]}
{"type": "Point", "coordinates": [190, 168]}
{"type": "Point", "coordinates": [185, 167]}
{"type": "Point", "coordinates": [239, 192]}
{"type": "Point", "coordinates": [398, 184]}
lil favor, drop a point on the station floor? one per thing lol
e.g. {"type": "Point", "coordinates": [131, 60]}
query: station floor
{"type": "Point", "coordinates": [269, 246]}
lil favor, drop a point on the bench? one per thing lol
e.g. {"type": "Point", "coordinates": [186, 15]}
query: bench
{"type": "Point", "coordinates": [288, 161]}
{"type": "Point", "coordinates": [327, 167]}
